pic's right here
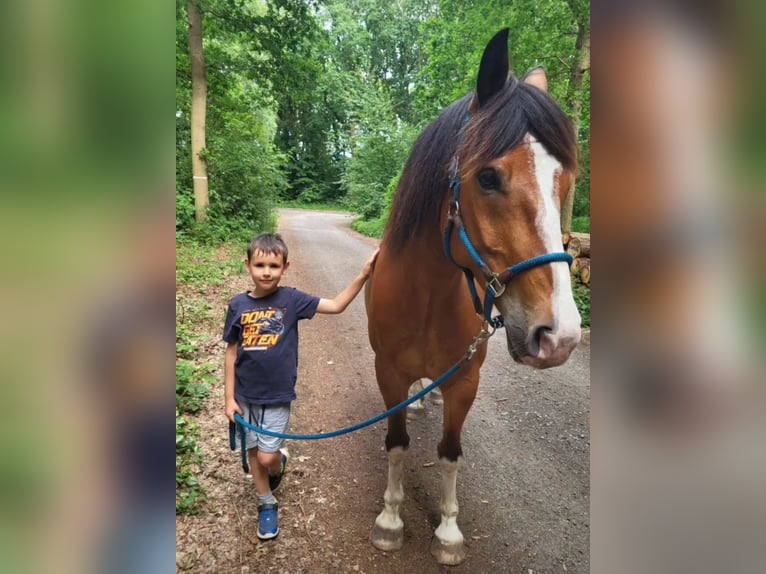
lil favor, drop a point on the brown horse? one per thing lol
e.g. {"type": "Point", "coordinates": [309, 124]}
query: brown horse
{"type": "Point", "coordinates": [516, 152]}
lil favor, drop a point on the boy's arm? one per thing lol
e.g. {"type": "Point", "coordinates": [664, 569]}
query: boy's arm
{"type": "Point", "coordinates": [231, 405]}
{"type": "Point", "coordinates": [342, 300]}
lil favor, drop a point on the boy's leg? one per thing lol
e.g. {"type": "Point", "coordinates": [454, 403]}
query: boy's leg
{"type": "Point", "coordinates": [270, 417]}
{"type": "Point", "coordinates": [260, 463]}
{"type": "Point", "coordinates": [268, 506]}
{"type": "Point", "coordinates": [266, 459]}
{"type": "Point", "coordinates": [271, 450]}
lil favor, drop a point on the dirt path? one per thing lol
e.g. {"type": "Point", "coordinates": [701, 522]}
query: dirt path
{"type": "Point", "coordinates": [523, 491]}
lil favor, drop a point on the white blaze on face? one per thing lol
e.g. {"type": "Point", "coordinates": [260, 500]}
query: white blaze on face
{"type": "Point", "coordinates": [566, 318]}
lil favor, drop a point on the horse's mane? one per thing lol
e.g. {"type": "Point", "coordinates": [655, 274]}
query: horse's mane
{"type": "Point", "coordinates": [492, 131]}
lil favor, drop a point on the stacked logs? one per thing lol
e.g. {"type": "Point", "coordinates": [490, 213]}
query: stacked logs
{"type": "Point", "coordinates": [578, 246]}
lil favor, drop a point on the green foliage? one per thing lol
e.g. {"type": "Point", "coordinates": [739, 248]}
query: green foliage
{"type": "Point", "coordinates": [189, 492]}
{"type": "Point", "coordinates": [371, 228]}
{"type": "Point", "coordinates": [245, 169]}
{"type": "Point", "coordinates": [378, 159]}
{"type": "Point", "coordinates": [192, 385]}
{"type": "Point", "coordinates": [582, 300]}
{"type": "Point", "coordinates": [198, 264]}
{"type": "Point", "coordinates": [582, 194]}
{"type": "Point", "coordinates": [376, 227]}
{"type": "Point", "coordinates": [581, 224]}
{"type": "Point", "coordinates": [316, 103]}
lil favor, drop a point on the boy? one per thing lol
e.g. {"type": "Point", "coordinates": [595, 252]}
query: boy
{"type": "Point", "coordinates": [262, 358]}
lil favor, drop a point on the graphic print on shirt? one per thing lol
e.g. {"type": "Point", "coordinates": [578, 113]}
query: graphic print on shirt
{"type": "Point", "coordinates": [262, 328]}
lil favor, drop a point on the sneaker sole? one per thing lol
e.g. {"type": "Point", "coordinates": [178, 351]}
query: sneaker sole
{"type": "Point", "coordinates": [267, 536]}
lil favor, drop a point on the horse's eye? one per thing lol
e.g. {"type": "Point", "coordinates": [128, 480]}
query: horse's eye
{"type": "Point", "coordinates": [488, 179]}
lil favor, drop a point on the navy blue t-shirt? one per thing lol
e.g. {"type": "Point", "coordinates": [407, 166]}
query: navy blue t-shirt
{"type": "Point", "coordinates": [266, 331]}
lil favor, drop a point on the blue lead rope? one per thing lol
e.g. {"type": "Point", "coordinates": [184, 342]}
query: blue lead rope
{"type": "Point", "coordinates": [241, 424]}
{"type": "Point", "coordinates": [398, 408]}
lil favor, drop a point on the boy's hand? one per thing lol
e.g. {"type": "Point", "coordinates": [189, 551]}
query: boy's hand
{"type": "Point", "coordinates": [367, 269]}
{"type": "Point", "coordinates": [232, 407]}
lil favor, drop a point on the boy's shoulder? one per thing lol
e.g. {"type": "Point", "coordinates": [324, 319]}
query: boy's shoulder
{"type": "Point", "coordinates": [297, 293]}
{"type": "Point", "coordinates": [241, 299]}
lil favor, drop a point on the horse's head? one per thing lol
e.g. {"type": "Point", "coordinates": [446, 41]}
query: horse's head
{"type": "Point", "coordinates": [517, 162]}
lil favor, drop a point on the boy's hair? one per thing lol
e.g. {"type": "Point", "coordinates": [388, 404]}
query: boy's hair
{"type": "Point", "coordinates": [269, 243]}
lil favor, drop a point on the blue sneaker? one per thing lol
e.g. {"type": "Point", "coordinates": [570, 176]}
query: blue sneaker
{"type": "Point", "coordinates": [276, 480]}
{"type": "Point", "coordinates": [268, 521]}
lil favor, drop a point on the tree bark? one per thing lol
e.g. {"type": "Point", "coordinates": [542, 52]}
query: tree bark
{"type": "Point", "coordinates": [582, 45]}
{"type": "Point", "coordinates": [198, 112]}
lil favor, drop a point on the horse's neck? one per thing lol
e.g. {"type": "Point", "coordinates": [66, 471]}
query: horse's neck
{"type": "Point", "coordinates": [435, 271]}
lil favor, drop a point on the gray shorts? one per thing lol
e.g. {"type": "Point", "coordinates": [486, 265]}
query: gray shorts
{"type": "Point", "coordinates": [270, 417]}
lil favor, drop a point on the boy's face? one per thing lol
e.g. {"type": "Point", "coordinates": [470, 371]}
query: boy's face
{"type": "Point", "coordinates": [266, 269]}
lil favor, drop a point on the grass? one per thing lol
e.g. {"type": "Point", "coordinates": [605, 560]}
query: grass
{"type": "Point", "coordinates": [371, 228]}
{"type": "Point", "coordinates": [198, 264]}
{"type": "Point", "coordinates": [198, 268]}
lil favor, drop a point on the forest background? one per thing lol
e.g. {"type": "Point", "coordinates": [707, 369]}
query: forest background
{"type": "Point", "coordinates": [317, 103]}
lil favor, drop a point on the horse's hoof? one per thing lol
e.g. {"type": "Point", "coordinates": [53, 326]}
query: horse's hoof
{"type": "Point", "coordinates": [451, 554]}
{"type": "Point", "coordinates": [386, 539]}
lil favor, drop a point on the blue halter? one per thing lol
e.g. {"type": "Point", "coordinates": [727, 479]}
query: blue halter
{"type": "Point", "coordinates": [496, 282]}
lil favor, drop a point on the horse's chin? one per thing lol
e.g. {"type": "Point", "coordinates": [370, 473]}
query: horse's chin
{"type": "Point", "coordinates": [547, 363]}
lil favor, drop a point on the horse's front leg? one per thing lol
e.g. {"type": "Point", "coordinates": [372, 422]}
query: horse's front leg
{"type": "Point", "coordinates": [388, 531]}
{"type": "Point", "coordinates": [448, 546]}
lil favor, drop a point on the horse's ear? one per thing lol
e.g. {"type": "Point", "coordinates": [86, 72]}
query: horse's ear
{"type": "Point", "coordinates": [537, 78]}
{"type": "Point", "coordinates": [494, 69]}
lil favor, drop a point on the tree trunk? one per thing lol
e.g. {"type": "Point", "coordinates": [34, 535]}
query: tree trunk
{"type": "Point", "coordinates": [582, 45]}
{"type": "Point", "coordinates": [585, 271]}
{"type": "Point", "coordinates": [579, 245]}
{"type": "Point", "coordinates": [580, 268]}
{"type": "Point", "coordinates": [199, 104]}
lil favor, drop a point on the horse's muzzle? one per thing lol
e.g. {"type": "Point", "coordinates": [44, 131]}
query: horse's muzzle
{"type": "Point", "coordinates": [541, 347]}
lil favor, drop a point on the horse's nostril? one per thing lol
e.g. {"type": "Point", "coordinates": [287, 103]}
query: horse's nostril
{"type": "Point", "coordinates": [538, 333]}
{"type": "Point", "coordinates": [540, 339]}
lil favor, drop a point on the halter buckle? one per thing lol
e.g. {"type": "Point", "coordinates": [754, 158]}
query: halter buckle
{"type": "Point", "coordinates": [454, 208]}
{"type": "Point", "coordinates": [496, 286]}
